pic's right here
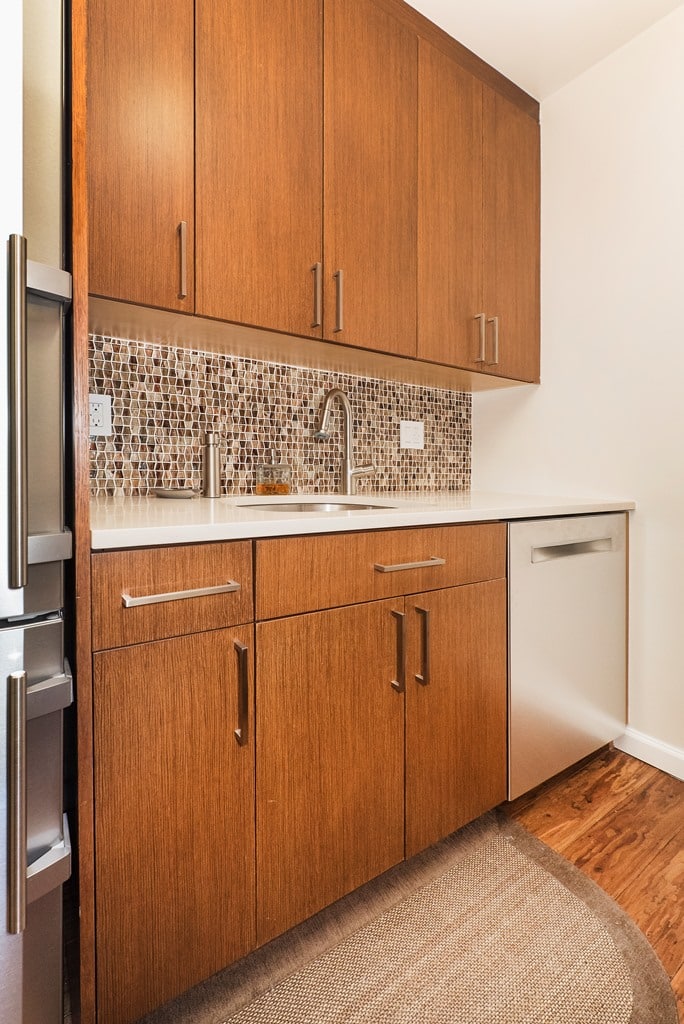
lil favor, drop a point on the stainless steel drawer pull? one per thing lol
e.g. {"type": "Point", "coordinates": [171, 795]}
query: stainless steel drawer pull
{"type": "Point", "coordinates": [16, 802]}
{"type": "Point", "coordinates": [424, 676]}
{"type": "Point", "coordinates": [339, 300]}
{"type": "Point", "coordinates": [18, 424]}
{"type": "Point", "coordinates": [241, 733]}
{"type": "Point", "coordinates": [399, 684]}
{"type": "Point", "coordinates": [178, 595]}
{"type": "Point", "coordinates": [401, 566]}
{"type": "Point", "coordinates": [183, 236]}
{"type": "Point", "coordinates": [482, 356]}
{"type": "Point", "coordinates": [578, 547]}
{"type": "Point", "coordinates": [317, 304]}
{"type": "Point", "coordinates": [495, 321]}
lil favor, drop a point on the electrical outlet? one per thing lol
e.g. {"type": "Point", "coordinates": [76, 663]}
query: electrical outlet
{"type": "Point", "coordinates": [100, 415]}
{"type": "Point", "coordinates": [411, 434]}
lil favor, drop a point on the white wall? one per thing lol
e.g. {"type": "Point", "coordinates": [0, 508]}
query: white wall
{"type": "Point", "coordinates": [608, 418]}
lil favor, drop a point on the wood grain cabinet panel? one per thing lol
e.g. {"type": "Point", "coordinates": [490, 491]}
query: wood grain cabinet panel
{"type": "Point", "coordinates": [370, 177]}
{"type": "Point", "coordinates": [145, 572]}
{"type": "Point", "coordinates": [512, 235]}
{"type": "Point", "coordinates": [455, 709]}
{"type": "Point", "coordinates": [330, 771]}
{"type": "Point", "coordinates": [259, 162]}
{"type": "Point", "coordinates": [174, 818]}
{"type": "Point", "coordinates": [299, 574]}
{"type": "Point", "coordinates": [140, 124]}
{"type": "Point", "coordinates": [478, 224]}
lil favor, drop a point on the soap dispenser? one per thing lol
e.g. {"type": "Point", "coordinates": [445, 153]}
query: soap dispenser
{"type": "Point", "coordinates": [211, 470]}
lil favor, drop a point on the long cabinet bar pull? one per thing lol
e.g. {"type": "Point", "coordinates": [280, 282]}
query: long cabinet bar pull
{"type": "Point", "coordinates": [18, 425]}
{"type": "Point", "coordinates": [494, 320]}
{"type": "Point", "coordinates": [402, 566]}
{"type": "Point", "coordinates": [183, 235]}
{"type": "Point", "coordinates": [482, 356]}
{"type": "Point", "coordinates": [399, 684]}
{"type": "Point", "coordinates": [178, 595]}
{"type": "Point", "coordinates": [16, 802]}
{"type": "Point", "coordinates": [424, 676]}
{"type": "Point", "coordinates": [243, 692]}
{"type": "Point", "coordinates": [316, 270]}
{"type": "Point", "coordinates": [339, 300]}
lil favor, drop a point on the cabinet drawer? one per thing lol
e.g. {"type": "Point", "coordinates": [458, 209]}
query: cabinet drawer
{"type": "Point", "coordinates": [301, 574]}
{"type": "Point", "coordinates": [147, 593]}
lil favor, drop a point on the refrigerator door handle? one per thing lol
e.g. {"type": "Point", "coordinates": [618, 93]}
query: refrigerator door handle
{"type": "Point", "coordinates": [49, 547]}
{"type": "Point", "coordinates": [16, 803]}
{"type": "Point", "coordinates": [50, 870]}
{"type": "Point", "coordinates": [18, 446]}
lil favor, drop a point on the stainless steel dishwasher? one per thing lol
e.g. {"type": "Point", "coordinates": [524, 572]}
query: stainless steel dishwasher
{"type": "Point", "coordinates": [567, 637]}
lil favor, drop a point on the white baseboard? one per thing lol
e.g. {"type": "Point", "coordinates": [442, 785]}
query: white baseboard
{"type": "Point", "coordinates": [654, 752]}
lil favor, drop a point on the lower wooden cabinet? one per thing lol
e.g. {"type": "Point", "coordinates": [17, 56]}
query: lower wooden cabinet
{"type": "Point", "coordinates": [455, 709]}
{"type": "Point", "coordinates": [174, 824]}
{"type": "Point", "coordinates": [330, 773]}
{"type": "Point", "coordinates": [231, 804]}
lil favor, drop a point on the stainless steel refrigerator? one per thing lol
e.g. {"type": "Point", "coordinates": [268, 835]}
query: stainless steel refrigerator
{"type": "Point", "coordinates": [35, 681]}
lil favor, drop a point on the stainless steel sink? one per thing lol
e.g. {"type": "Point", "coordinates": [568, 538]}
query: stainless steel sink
{"type": "Point", "coordinates": [314, 506]}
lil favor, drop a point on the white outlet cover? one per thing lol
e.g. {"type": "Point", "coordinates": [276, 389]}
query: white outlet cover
{"type": "Point", "coordinates": [100, 415]}
{"type": "Point", "coordinates": [411, 434]}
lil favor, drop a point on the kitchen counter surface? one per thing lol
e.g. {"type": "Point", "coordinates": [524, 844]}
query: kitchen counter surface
{"type": "Point", "coordinates": [122, 522]}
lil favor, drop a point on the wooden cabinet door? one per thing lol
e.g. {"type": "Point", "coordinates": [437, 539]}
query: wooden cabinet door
{"type": "Point", "coordinates": [174, 818]}
{"type": "Point", "coordinates": [455, 709]}
{"type": "Point", "coordinates": [450, 240]}
{"type": "Point", "coordinates": [140, 124]}
{"type": "Point", "coordinates": [259, 162]}
{"type": "Point", "coordinates": [512, 241]}
{"type": "Point", "coordinates": [330, 771]}
{"type": "Point", "coordinates": [370, 162]}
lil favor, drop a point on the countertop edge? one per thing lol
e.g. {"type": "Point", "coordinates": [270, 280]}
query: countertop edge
{"type": "Point", "coordinates": [145, 526]}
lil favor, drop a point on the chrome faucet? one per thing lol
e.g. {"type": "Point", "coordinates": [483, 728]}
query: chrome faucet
{"type": "Point", "coordinates": [349, 471]}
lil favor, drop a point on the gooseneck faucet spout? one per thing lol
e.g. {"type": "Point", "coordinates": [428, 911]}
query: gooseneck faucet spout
{"type": "Point", "coordinates": [350, 472]}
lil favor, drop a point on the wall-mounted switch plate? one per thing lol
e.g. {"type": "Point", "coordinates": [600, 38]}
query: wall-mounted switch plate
{"type": "Point", "coordinates": [100, 415]}
{"type": "Point", "coordinates": [411, 434]}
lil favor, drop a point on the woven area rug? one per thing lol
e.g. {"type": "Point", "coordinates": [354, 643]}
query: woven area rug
{"type": "Point", "coordinates": [488, 927]}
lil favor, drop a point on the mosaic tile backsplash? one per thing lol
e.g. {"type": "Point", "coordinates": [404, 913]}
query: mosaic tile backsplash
{"type": "Point", "coordinates": [165, 398]}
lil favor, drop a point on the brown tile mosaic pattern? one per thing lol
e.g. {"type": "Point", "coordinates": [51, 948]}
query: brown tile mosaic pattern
{"type": "Point", "coordinates": [164, 399]}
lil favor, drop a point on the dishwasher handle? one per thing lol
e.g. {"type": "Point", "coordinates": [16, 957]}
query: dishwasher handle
{"type": "Point", "coordinates": [549, 552]}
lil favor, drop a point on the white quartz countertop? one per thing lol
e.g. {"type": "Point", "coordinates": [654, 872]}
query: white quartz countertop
{"type": "Point", "coordinates": [121, 522]}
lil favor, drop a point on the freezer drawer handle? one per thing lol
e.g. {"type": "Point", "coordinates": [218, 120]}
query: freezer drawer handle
{"type": "Point", "coordinates": [179, 595]}
{"type": "Point", "coordinates": [16, 802]}
{"type": "Point", "coordinates": [52, 869]}
{"type": "Point", "coordinates": [401, 566]}
{"type": "Point", "coordinates": [579, 547]}
{"type": "Point", "coordinates": [18, 469]}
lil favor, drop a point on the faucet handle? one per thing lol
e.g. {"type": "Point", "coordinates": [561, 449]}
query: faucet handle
{"type": "Point", "coordinates": [363, 470]}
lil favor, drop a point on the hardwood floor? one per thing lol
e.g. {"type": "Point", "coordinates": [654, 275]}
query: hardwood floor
{"type": "Point", "coordinates": [622, 823]}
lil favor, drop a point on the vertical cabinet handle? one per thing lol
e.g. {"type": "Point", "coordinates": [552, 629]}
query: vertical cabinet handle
{"type": "Point", "coordinates": [183, 239]}
{"type": "Point", "coordinates": [16, 802]}
{"type": "Point", "coordinates": [316, 270]}
{"type": "Point", "coordinates": [339, 300]}
{"type": "Point", "coordinates": [482, 356]}
{"type": "Point", "coordinates": [399, 684]}
{"type": "Point", "coordinates": [18, 457]}
{"type": "Point", "coordinates": [424, 676]}
{"type": "Point", "coordinates": [494, 320]}
{"type": "Point", "coordinates": [241, 733]}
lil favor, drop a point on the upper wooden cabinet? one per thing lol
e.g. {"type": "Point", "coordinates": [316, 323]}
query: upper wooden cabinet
{"type": "Point", "coordinates": [350, 180]}
{"type": "Point", "coordinates": [370, 178]}
{"type": "Point", "coordinates": [259, 162]}
{"type": "Point", "coordinates": [511, 238]}
{"type": "Point", "coordinates": [140, 124]}
{"type": "Point", "coordinates": [478, 224]}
